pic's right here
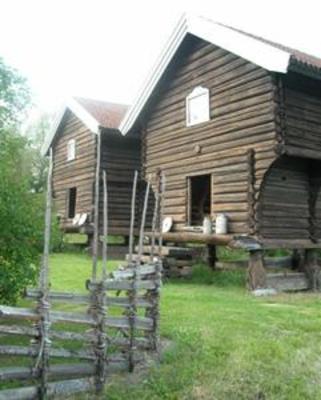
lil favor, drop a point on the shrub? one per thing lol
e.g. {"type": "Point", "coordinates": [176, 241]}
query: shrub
{"type": "Point", "coordinates": [21, 219]}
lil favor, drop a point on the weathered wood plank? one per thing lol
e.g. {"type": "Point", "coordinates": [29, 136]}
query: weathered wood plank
{"type": "Point", "coordinates": [18, 312]}
{"type": "Point", "coordinates": [84, 299]}
{"type": "Point", "coordinates": [53, 352]}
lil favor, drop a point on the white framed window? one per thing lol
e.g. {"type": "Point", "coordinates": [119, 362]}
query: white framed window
{"type": "Point", "coordinates": [198, 106]}
{"type": "Point", "coordinates": [71, 149]}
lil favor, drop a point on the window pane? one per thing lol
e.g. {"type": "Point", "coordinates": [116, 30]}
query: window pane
{"type": "Point", "coordinates": [197, 104]}
{"type": "Point", "coordinates": [71, 150]}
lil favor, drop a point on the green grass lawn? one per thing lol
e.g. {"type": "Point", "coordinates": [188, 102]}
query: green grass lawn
{"type": "Point", "coordinates": [225, 344]}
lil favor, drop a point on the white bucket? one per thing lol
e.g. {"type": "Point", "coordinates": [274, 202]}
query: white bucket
{"type": "Point", "coordinates": [207, 225]}
{"type": "Point", "coordinates": [221, 224]}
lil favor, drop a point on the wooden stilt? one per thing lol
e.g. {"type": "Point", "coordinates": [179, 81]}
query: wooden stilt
{"type": "Point", "coordinates": [312, 269]}
{"type": "Point", "coordinates": [297, 260]}
{"type": "Point", "coordinates": [211, 256]}
{"type": "Point", "coordinates": [256, 270]}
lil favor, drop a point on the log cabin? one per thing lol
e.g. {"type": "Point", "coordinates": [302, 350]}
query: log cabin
{"type": "Point", "coordinates": [74, 143]}
{"type": "Point", "coordinates": [234, 122]}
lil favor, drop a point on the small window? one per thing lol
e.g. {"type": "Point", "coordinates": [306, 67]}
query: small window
{"type": "Point", "coordinates": [72, 196]}
{"type": "Point", "coordinates": [197, 106]}
{"type": "Point", "coordinates": [199, 202]}
{"type": "Point", "coordinates": [71, 150]}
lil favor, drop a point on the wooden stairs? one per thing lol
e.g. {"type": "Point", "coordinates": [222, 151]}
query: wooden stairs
{"type": "Point", "coordinates": [177, 261]}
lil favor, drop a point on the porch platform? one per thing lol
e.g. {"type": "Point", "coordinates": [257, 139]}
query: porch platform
{"type": "Point", "coordinates": [238, 241]}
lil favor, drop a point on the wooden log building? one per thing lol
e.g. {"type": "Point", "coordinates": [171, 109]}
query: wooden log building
{"type": "Point", "coordinates": [74, 143]}
{"type": "Point", "coordinates": [234, 121]}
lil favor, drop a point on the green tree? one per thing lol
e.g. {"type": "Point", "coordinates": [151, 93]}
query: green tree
{"type": "Point", "coordinates": [21, 209]}
{"type": "Point", "coordinates": [14, 95]}
{"type": "Point", "coordinates": [21, 219]}
{"type": "Point", "coordinates": [36, 133]}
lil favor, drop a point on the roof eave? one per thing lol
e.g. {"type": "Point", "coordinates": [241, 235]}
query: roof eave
{"type": "Point", "coordinates": [304, 69]}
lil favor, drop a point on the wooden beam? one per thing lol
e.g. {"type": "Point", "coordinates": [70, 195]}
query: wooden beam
{"type": "Point", "coordinates": [220, 240]}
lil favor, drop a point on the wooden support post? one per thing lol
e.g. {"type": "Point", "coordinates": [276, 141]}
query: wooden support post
{"type": "Point", "coordinates": [154, 294]}
{"type": "Point", "coordinates": [155, 214]}
{"type": "Point", "coordinates": [99, 337]}
{"type": "Point", "coordinates": [211, 256]}
{"type": "Point", "coordinates": [297, 260]}
{"type": "Point", "coordinates": [142, 225]}
{"type": "Point", "coordinates": [312, 269]}
{"type": "Point", "coordinates": [161, 212]}
{"type": "Point", "coordinates": [132, 311]}
{"type": "Point", "coordinates": [256, 271]}
{"type": "Point", "coordinates": [132, 220]}
{"type": "Point", "coordinates": [97, 290]}
{"type": "Point", "coordinates": [105, 228]}
{"type": "Point", "coordinates": [155, 314]}
{"type": "Point", "coordinates": [96, 211]}
{"type": "Point", "coordinates": [41, 367]}
{"type": "Point", "coordinates": [126, 240]}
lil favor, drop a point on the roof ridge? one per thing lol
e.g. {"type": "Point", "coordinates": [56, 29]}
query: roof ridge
{"type": "Point", "coordinates": [100, 101]}
{"type": "Point", "coordinates": [267, 41]}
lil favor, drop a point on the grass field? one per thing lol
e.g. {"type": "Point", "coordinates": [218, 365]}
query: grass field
{"type": "Point", "coordinates": [225, 344]}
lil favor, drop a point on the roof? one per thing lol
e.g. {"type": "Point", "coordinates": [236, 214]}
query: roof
{"type": "Point", "coordinates": [309, 60]}
{"type": "Point", "coordinates": [267, 54]}
{"type": "Point", "coordinates": [94, 114]}
{"type": "Point", "coordinates": [108, 115]}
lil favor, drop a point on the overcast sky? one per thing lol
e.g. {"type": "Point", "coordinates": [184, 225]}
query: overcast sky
{"type": "Point", "coordinates": [103, 49]}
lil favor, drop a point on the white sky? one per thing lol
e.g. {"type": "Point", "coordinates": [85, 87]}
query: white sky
{"type": "Point", "coordinates": [103, 49]}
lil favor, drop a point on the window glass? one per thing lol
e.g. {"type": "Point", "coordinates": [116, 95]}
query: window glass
{"type": "Point", "coordinates": [71, 150]}
{"type": "Point", "coordinates": [197, 106]}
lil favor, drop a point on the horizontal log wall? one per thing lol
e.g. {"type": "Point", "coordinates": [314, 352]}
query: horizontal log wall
{"type": "Point", "coordinates": [303, 112]}
{"type": "Point", "coordinates": [242, 112]}
{"type": "Point", "coordinates": [76, 173]}
{"type": "Point", "coordinates": [284, 210]}
{"type": "Point", "coordinates": [120, 158]}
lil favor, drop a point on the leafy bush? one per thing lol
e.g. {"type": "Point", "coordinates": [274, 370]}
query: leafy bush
{"type": "Point", "coordinates": [21, 219]}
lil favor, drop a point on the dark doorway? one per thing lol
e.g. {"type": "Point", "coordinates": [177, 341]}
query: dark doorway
{"type": "Point", "coordinates": [199, 199]}
{"type": "Point", "coordinates": [72, 196]}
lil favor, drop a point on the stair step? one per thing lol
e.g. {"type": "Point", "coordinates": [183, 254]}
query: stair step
{"type": "Point", "coordinates": [170, 251]}
{"type": "Point", "coordinates": [144, 258]}
{"type": "Point", "coordinates": [284, 282]}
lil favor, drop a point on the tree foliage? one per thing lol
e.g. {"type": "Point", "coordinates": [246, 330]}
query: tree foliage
{"type": "Point", "coordinates": [14, 95]}
{"type": "Point", "coordinates": [21, 208]}
{"type": "Point", "coordinates": [20, 220]}
{"type": "Point", "coordinates": [37, 132]}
